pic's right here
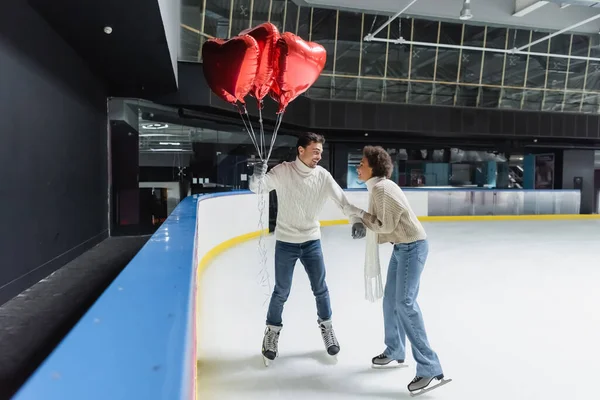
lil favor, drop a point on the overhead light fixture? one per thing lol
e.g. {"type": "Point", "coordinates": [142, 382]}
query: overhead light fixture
{"type": "Point", "coordinates": [465, 13]}
{"type": "Point", "coordinates": [155, 126]}
{"type": "Point", "coordinates": [107, 30]}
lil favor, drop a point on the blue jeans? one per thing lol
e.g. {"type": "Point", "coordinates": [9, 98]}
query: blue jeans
{"type": "Point", "coordinates": [286, 256]}
{"type": "Point", "coordinates": [401, 313]}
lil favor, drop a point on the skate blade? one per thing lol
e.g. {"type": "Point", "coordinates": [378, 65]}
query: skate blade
{"type": "Point", "coordinates": [267, 361]}
{"type": "Point", "coordinates": [429, 389]}
{"type": "Point", "coordinates": [392, 366]}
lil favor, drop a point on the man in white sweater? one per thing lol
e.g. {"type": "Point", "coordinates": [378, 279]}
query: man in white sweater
{"type": "Point", "coordinates": [302, 188]}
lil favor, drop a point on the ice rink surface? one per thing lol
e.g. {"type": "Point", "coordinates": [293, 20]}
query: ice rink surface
{"type": "Point", "coordinates": [512, 309]}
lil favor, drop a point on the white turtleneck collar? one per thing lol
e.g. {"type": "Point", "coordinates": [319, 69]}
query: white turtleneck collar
{"type": "Point", "coordinates": [373, 181]}
{"type": "Point", "coordinates": [302, 168]}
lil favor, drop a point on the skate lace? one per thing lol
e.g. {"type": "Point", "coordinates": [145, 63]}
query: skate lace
{"type": "Point", "coordinates": [329, 337]}
{"type": "Point", "coordinates": [271, 341]}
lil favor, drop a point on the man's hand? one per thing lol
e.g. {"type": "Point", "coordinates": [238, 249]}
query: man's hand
{"type": "Point", "coordinates": [260, 169]}
{"type": "Point", "coordinates": [359, 230]}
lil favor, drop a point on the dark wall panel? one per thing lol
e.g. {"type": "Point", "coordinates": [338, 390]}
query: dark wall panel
{"type": "Point", "coordinates": [580, 163]}
{"type": "Point", "coordinates": [53, 151]}
{"type": "Point", "coordinates": [392, 119]}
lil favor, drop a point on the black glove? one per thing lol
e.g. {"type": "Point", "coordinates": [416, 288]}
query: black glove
{"type": "Point", "coordinates": [358, 230]}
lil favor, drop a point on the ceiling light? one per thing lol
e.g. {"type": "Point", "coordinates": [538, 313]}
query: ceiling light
{"type": "Point", "coordinates": [465, 13]}
{"type": "Point", "coordinates": [107, 30]}
{"type": "Point", "coordinates": [155, 126]}
{"type": "Point", "coordinates": [169, 143]}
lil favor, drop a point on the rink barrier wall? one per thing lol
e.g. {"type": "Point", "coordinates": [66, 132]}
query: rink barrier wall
{"type": "Point", "coordinates": [139, 339]}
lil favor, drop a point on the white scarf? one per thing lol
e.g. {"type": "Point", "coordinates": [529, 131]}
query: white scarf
{"type": "Point", "coordinates": [373, 281]}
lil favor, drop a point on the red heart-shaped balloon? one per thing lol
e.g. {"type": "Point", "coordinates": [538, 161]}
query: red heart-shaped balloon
{"type": "Point", "coordinates": [266, 36]}
{"type": "Point", "coordinates": [230, 66]}
{"type": "Point", "coordinates": [298, 65]}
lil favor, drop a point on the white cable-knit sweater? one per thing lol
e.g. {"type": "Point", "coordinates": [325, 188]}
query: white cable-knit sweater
{"type": "Point", "coordinates": [301, 194]}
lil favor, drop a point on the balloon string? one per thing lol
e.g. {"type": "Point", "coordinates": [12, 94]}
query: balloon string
{"type": "Point", "coordinates": [279, 119]}
{"type": "Point", "coordinates": [250, 130]}
{"type": "Point", "coordinates": [262, 129]}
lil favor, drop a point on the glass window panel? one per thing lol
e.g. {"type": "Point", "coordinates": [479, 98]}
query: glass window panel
{"type": "Point", "coordinates": [444, 94]}
{"type": "Point", "coordinates": [373, 57]}
{"type": "Point", "coordinates": [511, 98]}
{"type": "Point", "coordinates": [420, 93]}
{"type": "Point", "coordinates": [304, 23]}
{"type": "Point", "coordinates": [450, 33]}
{"type": "Point", "coordinates": [559, 44]}
{"type": "Point", "coordinates": [572, 102]}
{"type": "Point", "coordinates": [291, 17]}
{"type": "Point", "coordinates": [344, 88]}
{"type": "Point", "coordinates": [423, 63]}
{"type": "Point", "coordinates": [470, 69]}
{"type": "Point", "coordinates": [216, 20]}
{"type": "Point", "coordinates": [260, 12]}
{"type": "Point", "coordinates": [576, 75]}
{"type": "Point", "coordinates": [395, 91]}
{"type": "Point", "coordinates": [496, 38]}
{"type": "Point", "coordinates": [516, 64]}
{"type": "Point", "coordinates": [536, 73]}
{"type": "Point", "coordinates": [471, 60]}
{"type": "Point", "coordinates": [593, 81]}
{"type": "Point", "coordinates": [591, 103]}
{"type": "Point", "coordinates": [278, 14]}
{"type": "Point", "coordinates": [466, 96]}
{"type": "Point", "coordinates": [348, 43]}
{"type": "Point", "coordinates": [240, 17]}
{"type": "Point", "coordinates": [489, 97]}
{"type": "Point", "coordinates": [424, 31]}
{"type": "Point", "coordinates": [532, 100]}
{"type": "Point", "coordinates": [321, 89]}
{"type": "Point", "coordinates": [423, 58]}
{"type": "Point", "coordinates": [399, 54]}
{"type": "Point", "coordinates": [492, 68]}
{"type": "Point", "coordinates": [593, 76]}
{"type": "Point", "coordinates": [323, 32]}
{"type": "Point", "coordinates": [447, 67]}
{"type": "Point", "coordinates": [191, 42]}
{"type": "Point", "coordinates": [370, 89]}
{"type": "Point", "coordinates": [553, 102]}
{"type": "Point", "coordinates": [557, 73]}
{"type": "Point", "coordinates": [190, 46]}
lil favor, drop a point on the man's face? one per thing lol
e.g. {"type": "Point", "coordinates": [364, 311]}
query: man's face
{"type": "Point", "coordinates": [311, 154]}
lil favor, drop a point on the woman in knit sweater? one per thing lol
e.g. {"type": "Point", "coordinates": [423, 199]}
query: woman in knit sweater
{"type": "Point", "coordinates": [390, 219]}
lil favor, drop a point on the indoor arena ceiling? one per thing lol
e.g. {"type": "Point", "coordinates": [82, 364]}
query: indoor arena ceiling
{"type": "Point", "coordinates": [531, 14]}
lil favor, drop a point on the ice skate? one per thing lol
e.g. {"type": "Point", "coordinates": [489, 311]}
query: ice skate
{"type": "Point", "coordinates": [327, 333]}
{"type": "Point", "coordinates": [420, 385]}
{"type": "Point", "coordinates": [382, 361]}
{"type": "Point", "coordinates": [270, 344]}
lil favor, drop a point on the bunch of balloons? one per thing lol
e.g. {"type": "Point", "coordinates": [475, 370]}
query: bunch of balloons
{"type": "Point", "coordinates": [259, 62]}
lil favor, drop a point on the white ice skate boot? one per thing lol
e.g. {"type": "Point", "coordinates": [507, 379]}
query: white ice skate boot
{"type": "Point", "coordinates": [383, 361]}
{"type": "Point", "coordinates": [329, 339]}
{"type": "Point", "coordinates": [270, 343]}
{"type": "Point", "coordinates": [420, 384]}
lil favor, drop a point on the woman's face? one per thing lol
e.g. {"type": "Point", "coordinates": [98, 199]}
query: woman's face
{"type": "Point", "coordinates": [365, 172]}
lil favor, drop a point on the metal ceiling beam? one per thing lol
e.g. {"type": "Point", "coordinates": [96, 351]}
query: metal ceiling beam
{"type": "Point", "coordinates": [475, 48]}
{"type": "Point", "coordinates": [389, 21]}
{"type": "Point", "coordinates": [595, 17]}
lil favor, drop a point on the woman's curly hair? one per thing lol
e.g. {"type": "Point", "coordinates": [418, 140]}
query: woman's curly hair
{"type": "Point", "coordinates": [379, 160]}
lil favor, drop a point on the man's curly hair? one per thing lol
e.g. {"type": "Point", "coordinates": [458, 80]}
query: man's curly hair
{"type": "Point", "coordinates": [379, 160]}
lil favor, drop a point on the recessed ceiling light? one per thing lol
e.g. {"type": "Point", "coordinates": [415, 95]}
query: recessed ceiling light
{"type": "Point", "coordinates": [107, 30]}
{"type": "Point", "coordinates": [155, 126]}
